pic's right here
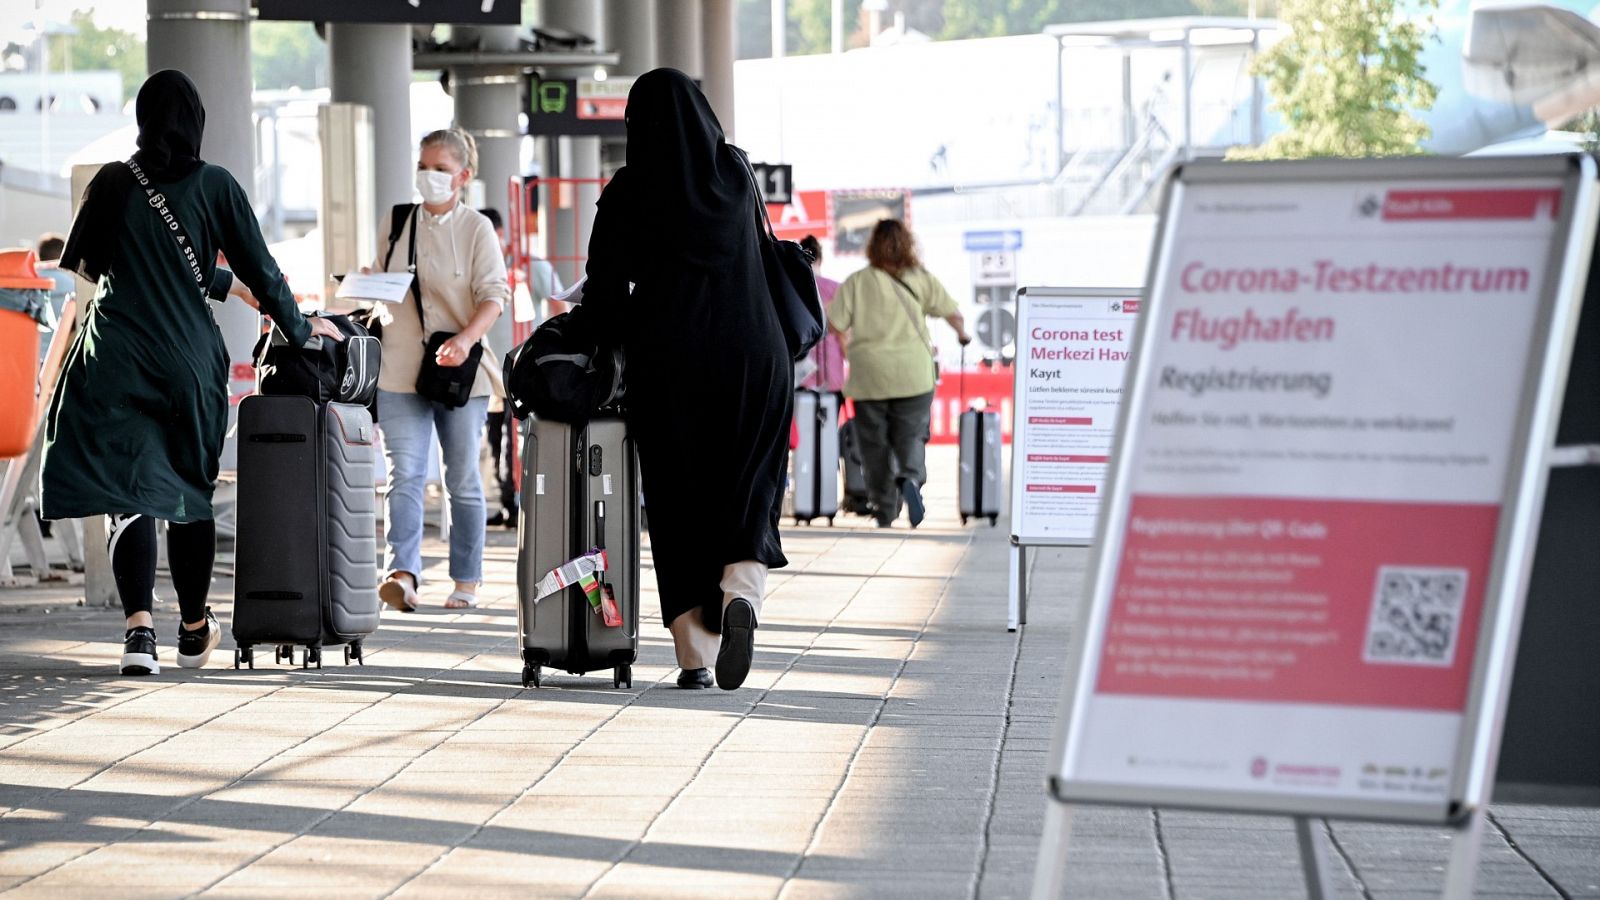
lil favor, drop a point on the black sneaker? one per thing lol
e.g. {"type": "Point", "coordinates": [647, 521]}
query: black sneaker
{"type": "Point", "coordinates": [913, 495]}
{"type": "Point", "coordinates": [738, 644]}
{"type": "Point", "coordinates": [194, 647]}
{"type": "Point", "coordinates": [139, 652]}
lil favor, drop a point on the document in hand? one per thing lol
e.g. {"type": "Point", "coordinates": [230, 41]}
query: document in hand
{"type": "Point", "coordinates": [384, 287]}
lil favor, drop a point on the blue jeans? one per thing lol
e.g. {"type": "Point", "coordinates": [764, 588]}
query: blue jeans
{"type": "Point", "coordinates": [408, 422]}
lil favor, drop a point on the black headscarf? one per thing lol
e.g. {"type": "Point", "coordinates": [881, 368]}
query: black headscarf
{"type": "Point", "coordinates": [691, 186]}
{"type": "Point", "coordinates": [171, 122]}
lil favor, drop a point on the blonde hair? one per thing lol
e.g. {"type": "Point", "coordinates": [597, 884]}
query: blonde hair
{"type": "Point", "coordinates": [457, 142]}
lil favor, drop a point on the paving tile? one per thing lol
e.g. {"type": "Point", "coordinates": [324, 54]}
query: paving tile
{"type": "Point", "coordinates": [892, 742]}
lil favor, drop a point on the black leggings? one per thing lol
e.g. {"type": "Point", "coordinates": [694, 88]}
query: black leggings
{"type": "Point", "coordinates": [191, 552]}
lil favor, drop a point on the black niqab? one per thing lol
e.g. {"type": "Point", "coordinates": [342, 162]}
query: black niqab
{"type": "Point", "coordinates": [172, 121]}
{"type": "Point", "coordinates": [692, 186]}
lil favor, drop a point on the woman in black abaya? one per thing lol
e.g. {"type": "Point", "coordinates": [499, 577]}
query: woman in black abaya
{"type": "Point", "coordinates": [710, 383]}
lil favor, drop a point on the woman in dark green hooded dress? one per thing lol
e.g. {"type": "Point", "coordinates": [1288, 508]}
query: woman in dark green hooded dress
{"type": "Point", "coordinates": [136, 428]}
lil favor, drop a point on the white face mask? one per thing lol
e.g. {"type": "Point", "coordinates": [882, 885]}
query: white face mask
{"type": "Point", "coordinates": [435, 187]}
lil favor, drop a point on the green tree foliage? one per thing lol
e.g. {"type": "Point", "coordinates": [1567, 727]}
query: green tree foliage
{"type": "Point", "coordinates": [286, 55]}
{"type": "Point", "coordinates": [1347, 78]}
{"type": "Point", "coordinates": [283, 54]}
{"type": "Point", "coordinates": [96, 48]}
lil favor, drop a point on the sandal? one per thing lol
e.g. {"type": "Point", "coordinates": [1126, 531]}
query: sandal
{"type": "Point", "coordinates": [460, 600]}
{"type": "Point", "coordinates": [398, 593]}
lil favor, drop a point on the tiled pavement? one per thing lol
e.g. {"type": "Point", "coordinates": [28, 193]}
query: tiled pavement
{"type": "Point", "coordinates": [891, 742]}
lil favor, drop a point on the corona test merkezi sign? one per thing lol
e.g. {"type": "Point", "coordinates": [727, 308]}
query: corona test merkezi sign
{"type": "Point", "coordinates": [450, 12]}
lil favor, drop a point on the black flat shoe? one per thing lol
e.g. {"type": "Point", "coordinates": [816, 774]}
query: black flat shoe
{"type": "Point", "coordinates": [694, 679]}
{"type": "Point", "coordinates": [738, 644]}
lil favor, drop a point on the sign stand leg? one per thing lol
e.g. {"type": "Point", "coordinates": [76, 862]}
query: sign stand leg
{"type": "Point", "coordinates": [1313, 860]}
{"type": "Point", "coordinates": [1461, 875]}
{"type": "Point", "coordinates": [1017, 596]}
{"type": "Point", "coordinates": [1049, 873]}
{"type": "Point", "coordinates": [99, 586]}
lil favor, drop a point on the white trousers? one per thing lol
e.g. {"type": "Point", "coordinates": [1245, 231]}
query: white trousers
{"type": "Point", "coordinates": [695, 644]}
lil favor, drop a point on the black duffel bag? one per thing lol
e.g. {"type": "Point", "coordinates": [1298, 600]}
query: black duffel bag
{"type": "Point", "coordinates": [562, 373]}
{"type": "Point", "coordinates": [324, 370]}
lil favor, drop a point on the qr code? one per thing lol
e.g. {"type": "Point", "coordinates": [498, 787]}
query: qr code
{"type": "Point", "coordinates": [1416, 616]}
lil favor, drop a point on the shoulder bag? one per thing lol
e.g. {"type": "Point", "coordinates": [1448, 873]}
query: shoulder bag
{"type": "Point", "coordinates": [450, 386]}
{"type": "Point", "coordinates": [790, 280]}
{"type": "Point", "coordinates": [918, 323]}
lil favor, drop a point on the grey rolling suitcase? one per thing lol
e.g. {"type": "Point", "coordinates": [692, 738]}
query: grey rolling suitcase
{"type": "Point", "coordinates": [816, 460]}
{"type": "Point", "coordinates": [580, 492]}
{"type": "Point", "coordinates": [980, 466]}
{"type": "Point", "coordinates": [306, 568]}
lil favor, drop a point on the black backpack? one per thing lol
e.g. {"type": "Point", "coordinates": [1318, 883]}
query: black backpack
{"type": "Point", "coordinates": [563, 374]}
{"type": "Point", "coordinates": [338, 371]}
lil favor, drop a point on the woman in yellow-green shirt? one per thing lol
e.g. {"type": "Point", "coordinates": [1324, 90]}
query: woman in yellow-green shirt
{"type": "Point", "coordinates": [881, 315]}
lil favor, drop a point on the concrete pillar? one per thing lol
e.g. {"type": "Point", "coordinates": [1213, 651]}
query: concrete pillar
{"type": "Point", "coordinates": [371, 65]}
{"type": "Point", "coordinates": [718, 50]}
{"type": "Point", "coordinates": [488, 100]}
{"type": "Point", "coordinates": [780, 28]}
{"type": "Point", "coordinates": [631, 31]}
{"type": "Point", "coordinates": [566, 214]}
{"type": "Point", "coordinates": [209, 40]}
{"type": "Point", "coordinates": [678, 36]}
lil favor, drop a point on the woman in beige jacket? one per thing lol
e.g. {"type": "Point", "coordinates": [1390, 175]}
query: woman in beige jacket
{"type": "Point", "coordinates": [462, 275]}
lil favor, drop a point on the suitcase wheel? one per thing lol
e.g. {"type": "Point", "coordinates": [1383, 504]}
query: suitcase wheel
{"type": "Point", "coordinates": [530, 676]}
{"type": "Point", "coordinates": [242, 655]}
{"type": "Point", "coordinates": [283, 653]}
{"type": "Point", "coordinates": [830, 521]}
{"type": "Point", "coordinates": [354, 650]}
{"type": "Point", "coordinates": [312, 655]}
{"type": "Point", "coordinates": [622, 677]}
{"type": "Point", "coordinates": [993, 521]}
{"type": "Point", "coordinates": [964, 518]}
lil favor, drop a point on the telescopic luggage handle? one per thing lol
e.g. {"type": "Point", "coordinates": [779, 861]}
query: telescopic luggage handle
{"type": "Point", "coordinates": [963, 377]}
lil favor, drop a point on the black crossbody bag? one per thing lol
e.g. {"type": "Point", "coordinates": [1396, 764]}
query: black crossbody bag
{"type": "Point", "coordinates": [450, 386]}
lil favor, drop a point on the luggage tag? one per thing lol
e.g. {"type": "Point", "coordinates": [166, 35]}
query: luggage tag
{"type": "Point", "coordinates": [579, 571]}
{"type": "Point", "coordinates": [610, 614]}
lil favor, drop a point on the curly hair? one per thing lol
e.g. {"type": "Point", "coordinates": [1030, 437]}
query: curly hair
{"type": "Point", "coordinates": [891, 248]}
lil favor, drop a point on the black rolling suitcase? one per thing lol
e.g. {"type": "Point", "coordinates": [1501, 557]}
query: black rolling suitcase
{"type": "Point", "coordinates": [580, 503]}
{"type": "Point", "coordinates": [306, 564]}
{"type": "Point", "coordinates": [816, 460]}
{"type": "Point", "coordinates": [856, 501]}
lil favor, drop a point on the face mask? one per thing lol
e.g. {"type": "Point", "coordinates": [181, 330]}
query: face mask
{"type": "Point", "coordinates": [435, 187]}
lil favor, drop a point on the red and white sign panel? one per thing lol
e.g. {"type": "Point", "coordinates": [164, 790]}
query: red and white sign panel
{"type": "Point", "coordinates": [1322, 485]}
{"type": "Point", "coordinates": [1072, 356]}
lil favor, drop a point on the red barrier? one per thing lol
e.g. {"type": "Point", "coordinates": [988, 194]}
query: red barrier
{"type": "Point", "coordinates": [988, 387]}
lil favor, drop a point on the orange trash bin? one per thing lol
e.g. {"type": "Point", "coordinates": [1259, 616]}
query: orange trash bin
{"type": "Point", "coordinates": [19, 354]}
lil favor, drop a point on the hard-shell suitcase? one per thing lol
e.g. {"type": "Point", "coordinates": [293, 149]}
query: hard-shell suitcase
{"type": "Point", "coordinates": [306, 567]}
{"type": "Point", "coordinates": [856, 500]}
{"type": "Point", "coordinates": [816, 460]}
{"type": "Point", "coordinates": [580, 493]}
{"type": "Point", "coordinates": [980, 466]}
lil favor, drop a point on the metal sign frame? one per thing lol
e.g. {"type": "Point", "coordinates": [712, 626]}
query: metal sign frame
{"type": "Point", "coordinates": [1017, 606]}
{"type": "Point", "coordinates": [1543, 379]}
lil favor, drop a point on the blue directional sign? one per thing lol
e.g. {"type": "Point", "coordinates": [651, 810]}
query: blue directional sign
{"type": "Point", "coordinates": [989, 241]}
